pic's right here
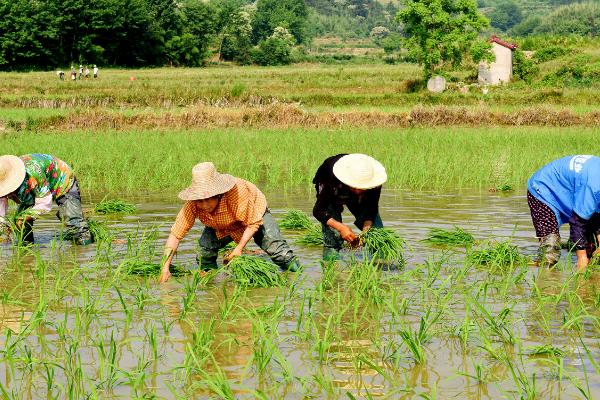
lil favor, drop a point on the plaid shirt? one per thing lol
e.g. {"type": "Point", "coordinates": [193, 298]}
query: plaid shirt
{"type": "Point", "coordinates": [241, 207]}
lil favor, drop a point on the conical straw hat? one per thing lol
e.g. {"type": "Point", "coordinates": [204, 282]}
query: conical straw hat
{"type": "Point", "coordinates": [12, 174]}
{"type": "Point", "coordinates": [359, 171]}
{"type": "Point", "coordinates": [206, 182]}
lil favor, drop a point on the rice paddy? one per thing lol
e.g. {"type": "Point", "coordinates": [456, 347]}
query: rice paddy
{"type": "Point", "coordinates": [88, 327]}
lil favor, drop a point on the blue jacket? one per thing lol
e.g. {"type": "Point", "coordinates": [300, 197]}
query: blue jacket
{"type": "Point", "coordinates": [569, 185]}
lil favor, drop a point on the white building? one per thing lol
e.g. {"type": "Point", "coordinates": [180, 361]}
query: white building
{"type": "Point", "coordinates": [500, 70]}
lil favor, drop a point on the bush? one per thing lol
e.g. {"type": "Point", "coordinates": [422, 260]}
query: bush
{"type": "Point", "coordinates": [275, 50]}
{"type": "Point", "coordinates": [579, 72]}
{"type": "Point", "coordinates": [550, 53]}
{"type": "Point", "coordinates": [524, 68]}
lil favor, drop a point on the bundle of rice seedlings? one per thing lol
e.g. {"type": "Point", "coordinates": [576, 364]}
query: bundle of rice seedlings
{"type": "Point", "coordinates": [99, 230]}
{"type": "Point", "coordinates": [313, 236]}
{"type": "Point", "coordinates": [114, 206]}
{"type": "Point", "coordinates": [384, 244]}
{"type": "Point", "coordinates": [296, 220]}
{"type": "Point", "coordinates": [254, 272]}
{"type": "Point", "coordinates": [140, 267]}
{"type": "Point", "coordinates": [228, 247]}
{"type": "Point", "coordinates": [500, 254]}
{"type": "Point", "coordinates": [456, 237]}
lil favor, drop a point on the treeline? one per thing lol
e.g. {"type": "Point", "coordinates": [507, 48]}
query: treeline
{"type": "Point", "coordinates": [133, 33]}
{"type": "Point", "coordinates": [539, 17]}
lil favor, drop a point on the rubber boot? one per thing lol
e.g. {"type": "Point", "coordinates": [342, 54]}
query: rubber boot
{"type": "Point", "coordinates": [549, 250]}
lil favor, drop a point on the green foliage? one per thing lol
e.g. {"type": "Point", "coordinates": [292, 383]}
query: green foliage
{"type": "Point", "coordinates": [270, 14]}
{"type": "Point", "coordinates": [523, 67]}
{"type": "Point", "coordinates": [580, 71]}
{"type": "Point", "coordinates": [496, 255]}
{"type": "Point", "coordinates": [297, 220]}
{"type": "Point", "coordinates": [254, 272]}
{"type": "Point", "coordinates": [550, 53]}
{"type": "Point", "coordinates": [384, 244]}
{"type": "Point", "coordinates": [578, 18]}
{"type": "Point", "coordinates": [392, 43]}
{"type": "Point", "coordinates": [455, 237]}
{"type": "Point", "coordinates": [114, 206]}
{"type": "Point", "coordinates": [137, 266]}
{"type": "Point", "coordinates": [236, 44]}
{"type": "Point", "coordinates": [440, 33]}
{"type": "Point", "coordinates": [276, 49]}
{"type": "Point", "coordinates": [312, 237]}
{"type": "Point", "coordinates": [506, 15]}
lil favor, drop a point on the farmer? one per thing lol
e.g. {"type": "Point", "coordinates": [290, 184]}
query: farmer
{"type": "Point", "coordinates": [33, 181]}
{"type": "Point", "coordinates": [231, 209]}
{"type": "Point", "coordinates": [353, 180]}
{"type": "Point", "coordinates": [86, 72]}
{"type": "Point", "coordinates": [95, 71]}
{"type": "Point", "coordinates": [80, 71]}
{"type": "Point", "coordinates": [566, 190]}
{"type": "Point", "coordinates": [73, 73]}
{"type": "Point", "coordinates": [61, 75]}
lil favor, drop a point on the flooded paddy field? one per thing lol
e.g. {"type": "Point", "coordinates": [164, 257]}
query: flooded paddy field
{"type": "Point", "coordinates": [73, 325]}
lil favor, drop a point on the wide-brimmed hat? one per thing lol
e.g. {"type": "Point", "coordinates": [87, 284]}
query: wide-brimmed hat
{"type": "Point", "coordinates": [206, 182]}
{"type": "Point", "coordinates": [12, 174]}
{"type": "Point", "coordinates": [359, 171]}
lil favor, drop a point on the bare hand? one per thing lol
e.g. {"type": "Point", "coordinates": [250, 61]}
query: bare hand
{"type": "Point", "coordinates": [232, 254]}
{"type": "Point", "coordinates": [347, 234]}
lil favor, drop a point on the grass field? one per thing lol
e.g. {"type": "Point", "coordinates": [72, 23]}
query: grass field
{"type": "Point", "coordinates": [415, 158]}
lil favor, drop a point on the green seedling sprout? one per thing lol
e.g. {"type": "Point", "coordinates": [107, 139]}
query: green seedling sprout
{"type": "Point", "coordinates": [450, 238]}
{"type": "Point", "coordinates": [114, 206]}
{"type": "Point", "coordinates": [254, 272]}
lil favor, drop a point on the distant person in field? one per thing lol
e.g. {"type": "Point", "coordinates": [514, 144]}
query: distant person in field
{"type": "Point", "coordinates": [73, 73]}
{"type": "Point", "coordinates": [61, 75]}
{"type": "Point", "coordinates": [95, 71]}
{"type": "Point", "coordinates": [80, 71]}
{"type": "Point", "coordinates": [86, 73]}
{"type": "Point", "coordinates": [33, 181]}
{"type": "Point", "coordinates": [231, 209]}
{"type": "Point", "coordinates": [354, 181]}
{"type": "Point", "coordinates": [566, 190]}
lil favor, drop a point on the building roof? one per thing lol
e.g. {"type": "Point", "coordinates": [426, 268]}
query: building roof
{"type": "Point", "coordinates": [496, 39]}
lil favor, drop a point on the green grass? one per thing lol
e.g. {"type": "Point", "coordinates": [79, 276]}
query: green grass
{"type": "Point", "coordinates": [454, 237]}
{"type": "Point", "coordinates": [296, 220]}
{"type": "Point", "coordinates": [416, 158]}
{"type": "Point", "coordinates": [312, 237]}
{"type": "Point", "coordinates": [254, 272]}
{"type": "Point", "coordinates": [384, 244]}
{"type": "Point", "coordinates": [145, 268]}
{"type": "Point", "coordinates": [496, 255]}
{"type": "Point", "coordinates": [114, 206]}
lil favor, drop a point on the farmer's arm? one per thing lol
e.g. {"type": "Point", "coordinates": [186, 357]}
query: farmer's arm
{"type": "Point", "coordinates": [249, 210]}
{"type": "Point", "coordinates": [41, 206]}
{"type": "Point", "coordinates": [325, 197]}
{"type": "Point", "coordinates": [3, 210]}
{"type": "Point", "coordinates": [578, 234]}
{"type": "Point", "coordinates": [183, 223]}
{"type": "Point", "coordinates": [246, 236]}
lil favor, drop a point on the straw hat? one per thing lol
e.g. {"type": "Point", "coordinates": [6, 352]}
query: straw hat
{"type": "Point", "coordinates": [359, 171]}
{"type": "Point", "coordinates": [12, 174]}
{"type": "Point", "coordinates": [206, 182]}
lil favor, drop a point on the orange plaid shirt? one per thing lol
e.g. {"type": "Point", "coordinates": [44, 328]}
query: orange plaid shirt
{"type": "Point", "coordinates": [241, 207]}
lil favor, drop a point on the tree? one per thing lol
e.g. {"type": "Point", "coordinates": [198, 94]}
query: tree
{"type": "Point", "coordinates": [289, 14]}
{"type": "Point", "coordinates": [506, 15]}
{"type": "Point", "coordinates": [276, 49]}
{"type": "Point", "coordinates": [442, 32]}
{"type": "Point", "coordinates": [237, 39]}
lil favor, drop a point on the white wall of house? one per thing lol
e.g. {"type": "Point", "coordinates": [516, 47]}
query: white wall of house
{"type": "Point", "coordinates": [500, 70]}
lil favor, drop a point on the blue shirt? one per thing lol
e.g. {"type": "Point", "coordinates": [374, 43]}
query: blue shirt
{"type": "Point", "coordinates": [569, 185]}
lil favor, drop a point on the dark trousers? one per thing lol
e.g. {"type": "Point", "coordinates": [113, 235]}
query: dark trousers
{"type": "Point", "coordinates": [69, 213]}
{"type": "Point", "coordinates": [332, 241]}
{"type": "Point", "coordinates": [268, 238]}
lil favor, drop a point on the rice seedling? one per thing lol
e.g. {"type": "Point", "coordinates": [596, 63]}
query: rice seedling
{"type": "Point", "coordinates": [296, 220]}
{"type": "Point", "coordinates": [99, 230]}
{"type": "Point", "coordinates": [546, 350]}
{"type": "Point", "coordinates": [136, 266]}
{"type": "Point", "coordinates": [312, 237]}
{"type": "Point", "coordinates": [450, 238]}
{"type": "Point", "coordinates": [496, 255]}
{"type": "Point", "coordinates": [114, 206]}
{"type": "Point", "coordinates": [384, 244]}
{"type": "Point", "coordinates": [254, 272]}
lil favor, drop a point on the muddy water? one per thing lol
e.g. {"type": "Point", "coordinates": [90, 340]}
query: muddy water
{"type": "Point", "coordinates": [159, 308]}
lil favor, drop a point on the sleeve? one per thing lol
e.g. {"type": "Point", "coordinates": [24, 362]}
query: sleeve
{"type": "Point", "coordinates": [3, 210]}
{"type": "Point", "coordinates": [579, 231]}
{"type": "Point", "coordinates": [250, 206]}
{"type": "Point", "coordinates": [42, 205]}
{"type": "Point", "coordinates": [184, 221]}
{"type": "Point", "coordinates": [372, 204]}
{"type": "Point", "coordinates": [324, 200]}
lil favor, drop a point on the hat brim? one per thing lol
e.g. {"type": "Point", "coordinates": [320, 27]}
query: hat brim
{"type": "Point", "coordinates": [222, 184]}
{"type": "Point", "coordinates": [341, 170]}
{"type": "Point", "coordinates": [16, 175]}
